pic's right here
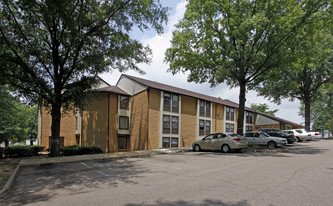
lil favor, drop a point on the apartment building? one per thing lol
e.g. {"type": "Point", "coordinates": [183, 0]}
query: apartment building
{"type": "Point", "coordinates": [139, 114]}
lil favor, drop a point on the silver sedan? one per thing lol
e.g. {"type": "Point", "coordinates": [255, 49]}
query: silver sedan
{"type": "Point", "coordinates": [262, 138]}
{"type": "Point", "coordinates": [220, 141]}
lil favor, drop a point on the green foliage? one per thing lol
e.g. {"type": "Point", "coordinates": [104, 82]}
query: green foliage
{"type": "Point", "coordinates": [236, 42]}
{"type": "Point", "coordinates": [17, 120]}
{"type": "Point", "coordinates": [22, 151]}
{"type": "Point", "coordinates": [78, 150]}
{"type": "Point", "coordinates": [263, 108]}
{"type": "Point", "coordinates": [310, 53]}
{"type": "Point", "coordinates": [320, 109]}
{"type": "Point", "coordinates": [52, 51]}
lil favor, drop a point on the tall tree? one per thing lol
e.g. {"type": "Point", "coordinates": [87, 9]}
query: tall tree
{"type": "Point", "coordinates": [311, 61]}
{"type": "Point", "coordinates": [52, 50]}
{"type": "Point", "coordinates": [238, 42]}
{"type": "Point", "coordinates": [321, 109]}
{"type": "Point", "coordinates": [263, 108]}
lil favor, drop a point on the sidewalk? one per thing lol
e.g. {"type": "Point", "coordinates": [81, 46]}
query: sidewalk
{"type": "Point", "coordinates": [78, 158]}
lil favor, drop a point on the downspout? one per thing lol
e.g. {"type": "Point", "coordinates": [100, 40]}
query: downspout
{"type": "Point", "coordinates": [148, 118]}
{"type": "Point", "coordinates": [108, 150]}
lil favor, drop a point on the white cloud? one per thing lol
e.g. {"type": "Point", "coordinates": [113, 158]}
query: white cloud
{"type": "Point", "coordinates": [157, 71]}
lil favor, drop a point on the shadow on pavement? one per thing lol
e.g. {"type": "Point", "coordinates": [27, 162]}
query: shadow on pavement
{"type": "Point", "coordinates": [204, 202]}
{"type": "Point", "coordinates": [41, 183]}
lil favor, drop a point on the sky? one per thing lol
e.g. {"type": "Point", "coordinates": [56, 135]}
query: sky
{"type": "Point", "coordinates": [157, 69]}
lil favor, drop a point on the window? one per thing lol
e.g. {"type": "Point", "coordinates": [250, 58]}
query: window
{"type": "Point", "coordinates": [166, 101]}
{"type": "Point", "coordinates": [166, 142]}
{"type": "Point", "coordinates": [124, 102]}
{"type": "Point", "coordinates": [204, 108]}
{"type": "Point", "coordinates": [170, 124]}
{"type": "Point", "coordinates": [204, 127]}
{"type": "Point", "coordinates": [230, 113]}
{"type": "Point", "coordinates": [249, 128]}
{"type": "Point", "coordinates": [123, 142]}
{"type": "Point", "coordinates": [123, 122]}
{"type": "Point", "coordinates": [174, 125]}
{"type": "Point", "coordinates": [229, 127]}
{"type": "Point", "coordinates": [166, 124]}
{"type": "Point", "coordinates": [249, 117]}
{"type": "Point", "coordinates": [174, 142]}
{"type": "Point", "coordinates": [175, 103]}
{"type": "Point", "coordinates": [168, 105]}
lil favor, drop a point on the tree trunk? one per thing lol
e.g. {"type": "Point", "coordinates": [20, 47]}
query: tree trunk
{"type": "Point", "coordinates": [307, 105]}
{"type": "Point", "coordinates": [55, 130]}
{"type": "Point", "coordinates": [6, 143]}
{"type": "Point", "coordinates": [241, 108]}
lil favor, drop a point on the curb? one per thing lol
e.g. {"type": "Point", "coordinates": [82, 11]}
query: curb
{"type": "Point", "coordinates": [10, 182]}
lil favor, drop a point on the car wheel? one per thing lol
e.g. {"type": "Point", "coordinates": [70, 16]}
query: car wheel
{"type": "Point", "coordinates": [196, 148]}
{"type": "Point", "coordinates": [271, 145]}
{"type": "Point", "coordinates": [298, 139]}
{"type": "Point", "coordinates": [225, 148]}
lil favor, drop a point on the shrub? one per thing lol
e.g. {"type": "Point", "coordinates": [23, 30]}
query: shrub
{"type": "Point", "coordinates": [22, 151]}
{"type": "Point", "coordinates": [254, 145]}
{"type": "Point", "coordinates": [77, 150]}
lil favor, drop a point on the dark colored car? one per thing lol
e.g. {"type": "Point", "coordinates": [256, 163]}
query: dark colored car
{"type": "Point", "coordinates": [269, 130]}
{"type": "Point", "coordinates": [289, 137]}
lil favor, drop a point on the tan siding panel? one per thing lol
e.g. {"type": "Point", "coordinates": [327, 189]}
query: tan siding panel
{"type": "Point", "coordinates": [154, 119]}
{"type": "Point", "coordinates": [188, 121]}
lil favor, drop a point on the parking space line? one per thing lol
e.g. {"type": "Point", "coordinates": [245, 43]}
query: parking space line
{"type": "Point", "coordinates": [100, 172]}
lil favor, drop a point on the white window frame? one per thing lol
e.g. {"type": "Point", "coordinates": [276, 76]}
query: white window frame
{"type": "Point", "coordinates": [170, 113]}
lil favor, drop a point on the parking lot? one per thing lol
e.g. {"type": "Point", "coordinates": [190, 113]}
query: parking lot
{"type": "Point", "coordinates": [301, 174]}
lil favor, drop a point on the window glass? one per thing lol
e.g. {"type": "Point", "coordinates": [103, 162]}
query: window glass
{"type": "Point", "coordinates": [167, 101]}
{"type": "Point", "coordinates": [174, 142]}
{"type": "Point", "coordinates": [227, 127]}
{"type": "Point", "coordinates": [123, 122]}
{"type": "Point", "coordinates": [207, 127]}
{"type": "Point", "coordinates": [202, 108]}
{"type": "Point", "coordinates": [175, 103]}
{"type": "Point", "coordinates": [232, 128]}
{"type": "Point", "coordinates": [227, 113]}
{"type": "Point", "coordinates": [124, 101]}
{"type": "Point", "coordinates": [174, 125]}
{"type": "Point", "coordinates": [208, 109]}
{"type": "Point", "coordinates": [232, 114]}
{"type": "Point", "coordinates": [166, 124]}
{"type": "Point", "coordinates": [166, 142]}
{"type": "Point", "coordinates": [201, 127]}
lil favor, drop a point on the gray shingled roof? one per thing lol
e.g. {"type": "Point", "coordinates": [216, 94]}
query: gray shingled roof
{"type": "Point", "coordinates": [168, 88]}
{"type": "Point", "coordinates": [112, 89]}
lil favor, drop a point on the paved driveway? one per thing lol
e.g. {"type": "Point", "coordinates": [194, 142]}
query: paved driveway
{"type": "Point", "coordinates": [302, 175]}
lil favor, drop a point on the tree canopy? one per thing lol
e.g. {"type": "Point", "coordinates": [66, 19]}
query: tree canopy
{"type": "Point", "coordinates": [18, 121]}
{"type": "Point", "coordinates": [310, 53]}
{"type": "Point", "coordinates": [263, 108]}
{"type": "Point", "coordinates": [52, 50]}
{"type": "Point", "coordinates": [236, 42]}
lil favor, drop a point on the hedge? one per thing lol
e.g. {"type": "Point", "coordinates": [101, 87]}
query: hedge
{"type": "Point", "coordinates": [77, 150]}
{"type": "Point", "coordinates": [22, 151]}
